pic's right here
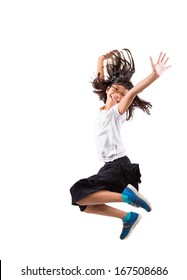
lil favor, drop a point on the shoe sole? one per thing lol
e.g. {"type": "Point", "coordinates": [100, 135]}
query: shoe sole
{"type": "Point", "coordinates": [133, 226]}
{"type": "Point", "coordinates": [140, 196]}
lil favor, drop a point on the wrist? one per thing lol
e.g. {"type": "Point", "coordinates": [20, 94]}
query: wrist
{"type": "Point", "coordinates": [155, 75]}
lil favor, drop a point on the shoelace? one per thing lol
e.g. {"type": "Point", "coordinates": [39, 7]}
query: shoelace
{"type": "Point", "coordinates": [136, 202]}
{"type": "Point", "coordinates": [126, 226]}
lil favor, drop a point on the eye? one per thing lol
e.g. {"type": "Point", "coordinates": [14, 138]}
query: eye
{"type": "Point", "coordinates": [116, 89]}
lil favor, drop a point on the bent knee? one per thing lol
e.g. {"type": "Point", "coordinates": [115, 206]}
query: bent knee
{"type": "Point", "coordinates": [81, 202]}
{"type": "Point", "coordinates": [89, 209]}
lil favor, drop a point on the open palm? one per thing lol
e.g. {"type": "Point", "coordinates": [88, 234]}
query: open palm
{"type": "Point", "coordinates": [161, 66]}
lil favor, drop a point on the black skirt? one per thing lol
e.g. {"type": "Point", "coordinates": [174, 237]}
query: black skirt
{"type": "Point", "coordinates": [113, 176]}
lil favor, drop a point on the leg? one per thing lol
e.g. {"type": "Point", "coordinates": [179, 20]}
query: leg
{"type": "Point", "coordinates": [105, 210]}
{"type": "Point", "coordinates": [130, 195]}
{"type": "Point", "coordinates": [130, 220]}
{"type": "Point", "coordinates": [101, 197]}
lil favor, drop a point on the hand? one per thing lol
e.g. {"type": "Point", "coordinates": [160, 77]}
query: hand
{"type": "Point", "coordinates": [161, 66]}
{"type": "Point", "coordinates": [106, 56]}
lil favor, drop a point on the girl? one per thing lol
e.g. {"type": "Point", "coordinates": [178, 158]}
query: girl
{"type": "Point", "coordinates": [118, 179]}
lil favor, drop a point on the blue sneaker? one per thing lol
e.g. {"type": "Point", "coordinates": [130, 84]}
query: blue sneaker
{"type": "Point", "coordinates": [136, 199]}
{"type": "Point", "coordinates": [129, 225]}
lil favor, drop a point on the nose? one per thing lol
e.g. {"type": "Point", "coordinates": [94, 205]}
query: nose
{"type": "Point", "coordinates": [116, 95]}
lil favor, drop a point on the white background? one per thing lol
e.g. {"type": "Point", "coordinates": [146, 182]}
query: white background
{"type": "Point", "coordinates": [48, 56]}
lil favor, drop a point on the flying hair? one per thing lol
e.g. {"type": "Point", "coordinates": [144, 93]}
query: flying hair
{"type": "Point", "coordinates": [119, 69]}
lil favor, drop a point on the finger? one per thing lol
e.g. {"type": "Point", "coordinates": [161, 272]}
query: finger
{"type": "Point", "coordinates": [159, 57]}
{"type": "Point", "coordinates": [166, 60]}
{"type": "Point", "coordinates": [107, 55]}
{"type": "Point", "coordinates": [152, 63]}
{"type": "Point", "coordinates": [163, 57]}
{"type": "Point", "coordinates": [111, 53]}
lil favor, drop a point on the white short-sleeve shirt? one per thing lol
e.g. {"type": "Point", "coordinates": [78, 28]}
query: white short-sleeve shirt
{"type": "Point", "coordinates": [108, 139]}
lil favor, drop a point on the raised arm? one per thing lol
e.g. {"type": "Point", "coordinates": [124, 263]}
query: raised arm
{"type": "Point", "coordinates": [100, 64]}
{"type": "Point", "coordinates": [158, 69]}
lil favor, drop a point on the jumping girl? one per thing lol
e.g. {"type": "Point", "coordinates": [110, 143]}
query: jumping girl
{"type": "Point", "coordinates": [118, 180]}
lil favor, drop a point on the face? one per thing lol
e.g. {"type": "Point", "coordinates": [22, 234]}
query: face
{"type": "Point", "coordinates": [116, 92]}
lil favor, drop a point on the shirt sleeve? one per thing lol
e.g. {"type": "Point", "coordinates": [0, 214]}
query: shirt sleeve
{"type": "Point", "coordinates": [117, 114]}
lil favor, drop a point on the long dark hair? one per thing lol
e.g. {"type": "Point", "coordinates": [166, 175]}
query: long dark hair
{"type": "Point", "coordinates": [119, 70]}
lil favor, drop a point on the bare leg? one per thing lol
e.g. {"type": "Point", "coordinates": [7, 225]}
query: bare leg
{"type": "Point", "coordinates": [105, 210]}
{"type": "Point", "coordinates": [101, 197]}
